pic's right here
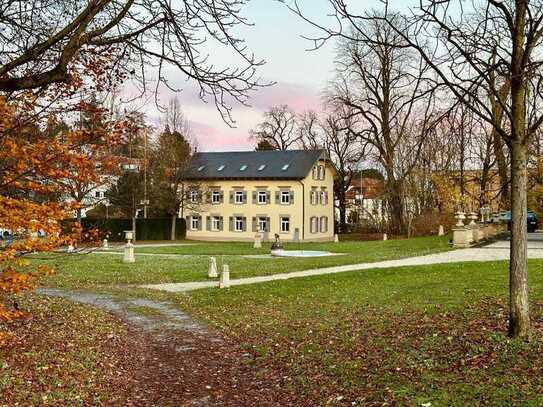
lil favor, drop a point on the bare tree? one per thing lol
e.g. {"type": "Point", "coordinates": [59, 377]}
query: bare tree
{"type": "Point", "coordinates": [48, 41]}
{"type": "Point", "coordinates": [474, 49]}
{"type": "Point", "coordinates": [279, 128]}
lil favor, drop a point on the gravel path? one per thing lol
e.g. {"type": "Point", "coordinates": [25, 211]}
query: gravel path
{"type": "Point", "coordinates": [492, 252]}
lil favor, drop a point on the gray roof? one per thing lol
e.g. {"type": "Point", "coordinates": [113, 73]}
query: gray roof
{"type": "Point", "coordinates": [290, 164]}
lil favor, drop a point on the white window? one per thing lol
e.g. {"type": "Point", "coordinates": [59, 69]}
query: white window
{"type": "Point", "coordinates": [262, 197]}
{"type": "Point", "coordinates": [262, 224]}
{"type": "Point", "coordinates": [195, 222]}
{"type": "Point", "coordinates": [201, 168]}
{"type": "Point", "coordinates": [315, 172]}
{"type": "Point", "coordinates": [239, 197]}
{"type": "Point", "coordinates": [321, 171]}
{"type": "Point", "coordinates": [285, 224]}
{"type": "Point", "coordinates": [262, 167]}
{"type": "Point", "coordinates": [314, 226]}
{"type": "Point", "coordinates": [216, 197]}
{"type": "Point", "coordinates": [216, 223]}
{"type": "Point", "coordinates": [324, 224]}
{"type": "Point", "coordinates": [220, 168]}
{"type": "Point", "coordinates": [324, 197]}
{"type": "Point", "coordinates": [97, 194]}
{"type": "Point", "coordinates": [243, 167]}
{"type": "Point", "coordinates": [285, 167]}
{"type": "Point", "coordinates": [238, 224]}
{"type": "Point", "coordinates": [314, 197]}
{"type": "Point", "coordinates": [285, 197]}
{"type": "Point", "coordinates": [193, 196]}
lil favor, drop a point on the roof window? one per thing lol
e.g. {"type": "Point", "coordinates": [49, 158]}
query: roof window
{"type": "Point", "coordinates": [261, 167]}
{"type": "Point", "coordinates": [220, 168]}
{"type": "Point", "coordinates": [243, 167]}
{"type": "Point", "coordinates": [285, 167]}
{"type": "Point", "coordinates": [201, 168]}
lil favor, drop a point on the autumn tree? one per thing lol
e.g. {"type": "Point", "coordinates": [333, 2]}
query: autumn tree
{"type": "Point", "coordinates": [479, 51]}
{"type": "Point", "coordinates": [279, 128]}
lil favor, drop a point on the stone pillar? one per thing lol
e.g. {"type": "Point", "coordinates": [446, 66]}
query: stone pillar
{"type": "Point", "coordinates": [336, 238]}
{"type": "Point", "coordinates": [462, 236]}
{"type": "Point", "coordinates": [224, 281]}
{"type": "Point", "coordinates": [105, 244]}
{"type": "Point", "coordinates": [296, 237]}
{"type": "Point", "coordinates": [212, 271]}
{"type": "Point", "coordinates": [129, 253]}
{"type": "Point", "coordinates": [258, 241]}
{"type": "Point", "coordinates": [385, 237]}
{"type": "Point", "coordinates": [71, 248]}
{"type": "Point", "coordinates": [440, 231]}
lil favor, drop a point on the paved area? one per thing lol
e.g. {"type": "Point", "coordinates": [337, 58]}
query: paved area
{"type": "Point", "coordinates": [495, 251]}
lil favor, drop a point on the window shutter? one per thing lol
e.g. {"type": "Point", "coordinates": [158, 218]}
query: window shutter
{"type": "Point", "coordinates": [254, 197]}
{"type": "Point", "coordinates": [244, 228]}
{"type": "Point", "coordinates": [208, 223]}
{"type": "Point", "coordinates": [277, 197]}
{"type": "Point", "coordinates": [268, 197]}
{"type": "Point", "coordinates": [325, 219]}
{"type": "Point", "coordinates": [231, 197]}
{"type": "Point", "coordinates": [208, 197]}
{"type": "Point", "coordinates": [231, 223]}
{"type": "Point", "coordinates": [199, 223]}
{"type": "Point", "coordinates": [244, 197]}
{"type": "Point", "coordinates": [189, 223]}
{"type": "Point", "coordinates": [291, 197]}
{"type": "Point", "coordinates": [323, 172]}
{"type": "Point", "coordinates": [221, 199]}
{"type": "Point", "coordinates": [221, 226]}
{"type": "Point", "coordinates": [254, 224]}
{"type": "Point", "coordinates": [268, 224]}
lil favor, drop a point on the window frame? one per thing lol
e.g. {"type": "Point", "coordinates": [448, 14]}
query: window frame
{"type": "Point", "coordinates": [262, 220]}
{"type": "Point", "coordinates": [260, 194]}
{"type": "Point", "coordinates": [215, 193]}
{"type": "Point", "coordinates": [213, 219]}
{"type": "Point", "coordinates": [284, 193]}
{"type": "Point", "coordinates": [240, 219]}
{"type": "Point", "coordinates": [192, 220]}
{"type": "Point", "coordinates": [323, 220]}
{"type": "Point", "coordinates": [193, 196]}
{"type": "Point", "coordinates": [239, 193]}
{"type": "Point", "coordinates": [284, 220]}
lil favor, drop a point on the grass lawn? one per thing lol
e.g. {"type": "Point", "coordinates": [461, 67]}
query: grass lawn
{"type": "Point", "coordinates": [66, 355]}
{"type": "Point", "coordinates": [409, 336]}
{"type": "Point", "coordinates": [98, 271]}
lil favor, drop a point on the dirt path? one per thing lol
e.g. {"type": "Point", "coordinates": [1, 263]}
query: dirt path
{"type": "Point", "coordinates": [174, 360]}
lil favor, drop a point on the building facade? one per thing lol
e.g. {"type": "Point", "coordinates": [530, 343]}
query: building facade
{"type": "Point", "coordinates": [235, 195]}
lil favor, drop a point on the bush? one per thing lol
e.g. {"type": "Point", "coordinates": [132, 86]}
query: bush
{"type": "Point", "coordinates": [146, 229]}
{"type": "Point", "coordinates": [427, 223]}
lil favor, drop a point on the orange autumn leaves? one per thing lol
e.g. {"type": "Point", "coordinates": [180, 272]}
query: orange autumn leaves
{"type": "Point", "coordinates": [39, 159]}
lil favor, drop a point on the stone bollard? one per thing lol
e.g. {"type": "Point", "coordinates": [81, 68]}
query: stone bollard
{"type": "Point", "coordinates": [385, 236]}
{"type": "Point", "coordinates": [212, 271]}
{"type": "Point", "coordinates": [70, 248]}
{"type": "Point", "coordinates": [462, 236]}
{"type": "Point", "coordinates": [129, 253]}
{"type": "Point", "coordinates": [105, 244]}
{"type": "Point", "coordinates": [441, 231]}
{"type": "Point", "coordinates": [224, 281]}
{"type": "Point", "coordinates": [258, 241]}
{"type": "Point", "coordinates": [336, 238]}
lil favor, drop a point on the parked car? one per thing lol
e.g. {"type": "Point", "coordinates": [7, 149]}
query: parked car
{"type": "Point", "coordinates": [532, 221]}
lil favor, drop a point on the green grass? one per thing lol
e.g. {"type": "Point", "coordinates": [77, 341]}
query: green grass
{"type": "Point", "coordinates": [407, 336]}
{"type": "Point", "coordinates": [99, 271]}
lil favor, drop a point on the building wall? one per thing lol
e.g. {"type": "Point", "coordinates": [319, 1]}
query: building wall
{"type": "Point", "coordinates": [300, 210]}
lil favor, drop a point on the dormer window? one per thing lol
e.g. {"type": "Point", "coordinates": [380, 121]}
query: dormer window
{"type": "Point", "coordinates": [285, 167]}
{"type": "Point", "coordinates": [201, 168]}
{"type": "Point", "coordinates": [261, 167]}
{"type": "Point", "coordinates": [220, 168]}
{"type": "Point", "coordinates": [243, 167]}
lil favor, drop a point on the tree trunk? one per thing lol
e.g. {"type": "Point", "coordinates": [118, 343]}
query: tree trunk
{"type": "Point", "coordinates": [134, 228]}
{"type": "Point", "coordinates": [172, 229]}
{"type": "Point", "coordinates": [519, 315]}
{"type": "Point", "coordinates": [502, 168]}
{"type": "Point", "coordinates": [396, 207]}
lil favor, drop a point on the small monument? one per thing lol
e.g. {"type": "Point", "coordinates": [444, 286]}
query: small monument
{"type": "Point", "coordinates": [224, 281]}
{"type": "Point", "coordinates": [296, 237]}
{"type": "Point", "coordinates": [129, 248]}
{"type": "Point", "coordinates": [105, 244]}
{"type": "Point", "coordinates": [440, 231]}
{"type": "Point", "coordinates": [258, 241]}
{"type": "Point", "coordinates": [277, 247]}
{"type": "Point", "coordinates": [385, 236]}
{"type": "Point", "coordinates": [212, 271]}
{"type": "Point", "coordinates": [71, 248]}
{"type": "Point", "coordinates": [336, 238]}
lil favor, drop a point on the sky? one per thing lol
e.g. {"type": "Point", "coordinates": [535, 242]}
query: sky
{"type": "Point", "coordinates": [300, 75]}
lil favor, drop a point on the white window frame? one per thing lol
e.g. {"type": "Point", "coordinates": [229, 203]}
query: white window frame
{"type": "Point", "coordinates": [314, 225]}
{"type": "Point", "coordinates": [262, 221]}
{"type": "Point", "coordinates": [323, 224]}
{"type": "Point", "coordinates": [284, 220]}
{"type": "Point", "coordinates": [217, 195]}
{"type": "Point", "coordinates": [194, 220]}
{"type": "Point", "coordinates": [261, 194]}
{"type": "Point", "coordinates": [193, 196]}
{"type": "Point", "coordinates": [314, 197]}
{"type": "Point", "coordinates": [239, 194]}
{"type": "Point", "coordinates": [284, 194]}
{"type": "Point", "coordinates": [316, 172]}
{"type": "Point", "coordinates": [238, 223]}
{"type": "Point", "coordinates": [323, 197]}
{"type": "Point", "coordinates": [322, 172]}
{"type": "Point", "coordinates": [215, 223]}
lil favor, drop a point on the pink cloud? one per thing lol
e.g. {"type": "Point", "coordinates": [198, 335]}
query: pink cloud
{"type": "Point", "coordinates": [216, 138]}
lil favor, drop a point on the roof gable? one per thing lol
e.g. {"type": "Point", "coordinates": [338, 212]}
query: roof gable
{"type": "Point", "coordinates": [289, 164]}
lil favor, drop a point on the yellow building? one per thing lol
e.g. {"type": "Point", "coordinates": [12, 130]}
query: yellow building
{"type": "Point", "coordinates": [234, 195]}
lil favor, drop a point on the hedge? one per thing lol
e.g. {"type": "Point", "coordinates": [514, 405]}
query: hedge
{"type": "Point", "coordinates": [146, 228]}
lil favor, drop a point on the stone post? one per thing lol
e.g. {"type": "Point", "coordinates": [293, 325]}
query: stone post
{"type": "Point", "coordinates": [105, 244]}
{"type": "Point", "coordinates": [336, 238]}
{"type": "Point", "coordinates": [440, 231]}
{"type": "Point", "coordinates": [212, 271]}
{"type": "Point", "coordinates": [385, 237]}
{"type": "Point", "coordinates": [258, 241]}
{"type": "Point", "coordinates": [462, 236]}
{"type": "Point", "coordinates": [129, 253]}
{"type": "Point", "coordinates": [224, 281]}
